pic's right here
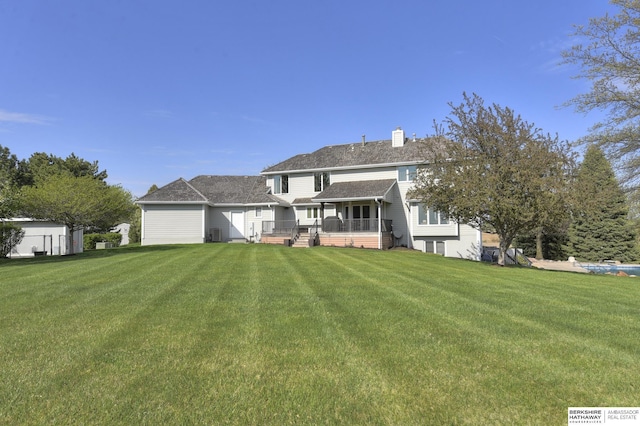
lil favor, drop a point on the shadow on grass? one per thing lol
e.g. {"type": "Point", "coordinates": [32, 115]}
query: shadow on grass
{"type": "Point", "coordinates": [90, 254]}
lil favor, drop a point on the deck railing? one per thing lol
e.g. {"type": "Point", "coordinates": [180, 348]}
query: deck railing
{"type": "Point", "coordinates": [279, 227]}
{"type": "Point", "coordinates": [290, 227]}
{"type": "Point", "coordinates": [355, 225]}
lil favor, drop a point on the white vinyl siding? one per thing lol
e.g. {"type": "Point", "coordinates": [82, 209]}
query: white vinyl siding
{"type": "Point", "coordinates": [41, 236]}
{"type": "Point", "coordinates": [364, 174]}
{"type": "Point", "coordinates": [467, 245]}
{"type": "Point", "coordinates": [165, 224]}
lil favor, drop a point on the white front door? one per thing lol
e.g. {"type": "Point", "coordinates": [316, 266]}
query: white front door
{"type": "Point", "coordinates": [236, 227]}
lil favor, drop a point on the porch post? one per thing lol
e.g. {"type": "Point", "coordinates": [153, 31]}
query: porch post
{"type": "Point", "coordinates": [322, 214]}
{"type": "Point", "coordinates": [379, 203]}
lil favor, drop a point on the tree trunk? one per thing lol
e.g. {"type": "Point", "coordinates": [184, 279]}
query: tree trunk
{"type": "Point", "coordinates": [539, 254]}
{"type": "Point", "coordinates": [71, 228]}
{"type": "Point", "coordinates": [70, 243]}
{"type": "Point", "coordinates": [504, 244]}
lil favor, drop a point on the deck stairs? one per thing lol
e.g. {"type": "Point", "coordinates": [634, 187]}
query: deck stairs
{"type": "Point", "coordinates": [302, 240]}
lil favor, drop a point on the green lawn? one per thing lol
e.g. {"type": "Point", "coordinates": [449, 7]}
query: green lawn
{"type": "Point", "coordinates": [260, 334]}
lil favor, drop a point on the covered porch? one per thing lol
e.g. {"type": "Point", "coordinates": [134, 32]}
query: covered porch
{"type": "Point", "coordinates": [330, 231]}
{"type": "Point", "coordinates": [356, 218]}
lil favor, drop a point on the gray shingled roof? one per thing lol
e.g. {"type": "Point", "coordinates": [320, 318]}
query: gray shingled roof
{"type": "Point", "coordinates": [360, 190]}
{"type": "Point", "coordinates": [353, 155]}
{"type": "Point", "coordinates": [303, 201]}
{"type": "Point", "coordinates": [208, 189]}
{"type": "Point", "coordinates": [178, 190]}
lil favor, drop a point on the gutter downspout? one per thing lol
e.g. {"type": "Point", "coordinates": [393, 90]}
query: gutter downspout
{"type": "Point", "coordinates": [379, 203]}
{"type": "Point", "coordinates": [409, 227]}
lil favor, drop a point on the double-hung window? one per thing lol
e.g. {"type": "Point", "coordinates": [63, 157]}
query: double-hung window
{"type": "Point", "coordinates": [313, 212]}
{"type": "Point", "coordinates": [321, 181]}
{"type": "Point", "coordinates": [281, 184]}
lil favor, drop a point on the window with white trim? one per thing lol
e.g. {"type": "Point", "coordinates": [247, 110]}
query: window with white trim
{"type": "Point", "coordinates": [281, 184]}
{"type": "Point", "coordinates": [407, 173]}
{"type": "Point", "coordinates": [436, 247]}
{"type": "Point", "coordinates": [429, 216]}
{"type": "Point", "coordinates": [258, 211]}
{"type": "Point", "coordinates": [321, 181]}
{"type": "Point", "coordinates": [313, 212]}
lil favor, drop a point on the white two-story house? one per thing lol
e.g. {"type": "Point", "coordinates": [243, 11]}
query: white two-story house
{"type": "Point", "coordinates": [351, 195]}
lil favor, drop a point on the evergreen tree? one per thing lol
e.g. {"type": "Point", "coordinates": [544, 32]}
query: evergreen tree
{"type": "Point", "coordinates": [601, 229]}
{"type": "Point", "coordinates": [135, 226]}
{"type": "Point", "coordinates": [553, 244]}
{"type": "Point", "coordinates": [41, 166]}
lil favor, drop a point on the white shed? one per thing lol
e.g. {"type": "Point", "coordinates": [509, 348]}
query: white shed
{"type": "Point", "coordinates": [42, 238]}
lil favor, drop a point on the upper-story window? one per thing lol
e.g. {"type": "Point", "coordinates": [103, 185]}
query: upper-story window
{"type": "Point", "coordinates": [281, 184]}
{"type": "Point", "coordinates": [428, 216]}
{"type": "Point", "coordinates": [321, 181]}
{"type": "Point", "coordinates": [258, 211]}
{"type": "Point", "coordinates": [407, 173]}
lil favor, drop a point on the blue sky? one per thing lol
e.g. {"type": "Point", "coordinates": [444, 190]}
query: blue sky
{"type": "Point", "coordinates": [156, 90]}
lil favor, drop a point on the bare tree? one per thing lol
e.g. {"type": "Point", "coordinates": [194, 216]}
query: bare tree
{"type": "Point", "coordinates": [608, 55]}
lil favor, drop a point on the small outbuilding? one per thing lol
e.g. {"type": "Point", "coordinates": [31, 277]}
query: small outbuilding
{"type": "Point", "coordinates": [43, 238]}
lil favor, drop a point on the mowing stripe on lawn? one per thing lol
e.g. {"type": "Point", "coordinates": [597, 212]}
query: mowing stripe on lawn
{"type": "Point", "coordinates": [257, 334]}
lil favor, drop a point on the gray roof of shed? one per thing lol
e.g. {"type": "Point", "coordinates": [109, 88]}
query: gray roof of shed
{"type": "Point", "coordinates": [207, 189]}
{"type": "Point", "coordinates": [359, 190]}
{"type": "Point", "coordinates": [353, 155]}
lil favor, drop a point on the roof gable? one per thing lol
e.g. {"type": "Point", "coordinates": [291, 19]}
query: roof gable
{"type": "Point", "coordinates": [178, 190]}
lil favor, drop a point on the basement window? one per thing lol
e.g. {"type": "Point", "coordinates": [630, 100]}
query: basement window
{"type": "Point", "coordinates": [435, 247]}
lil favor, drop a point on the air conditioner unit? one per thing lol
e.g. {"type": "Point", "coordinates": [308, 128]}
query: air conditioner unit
{"type": "Point", "coordinates": [215, 234]}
